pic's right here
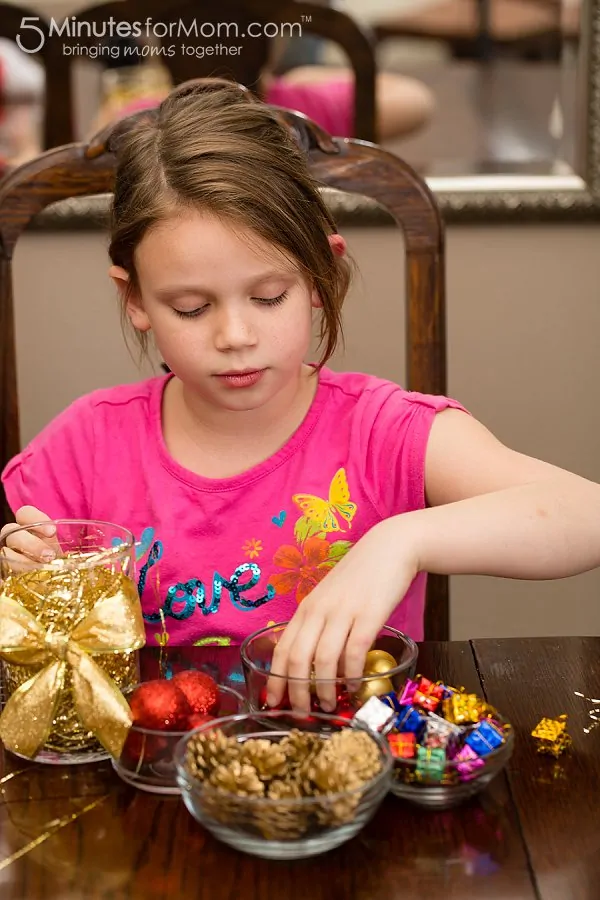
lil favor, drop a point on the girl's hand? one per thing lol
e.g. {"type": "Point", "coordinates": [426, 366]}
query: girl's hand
{"type": "Point", "coordinates": [35, 545]}
{"type": "Point", "coordinates": [337, 623]}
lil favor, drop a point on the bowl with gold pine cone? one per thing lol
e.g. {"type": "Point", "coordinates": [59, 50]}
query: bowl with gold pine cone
{"type": "Point", "coordinates": [278, 785]}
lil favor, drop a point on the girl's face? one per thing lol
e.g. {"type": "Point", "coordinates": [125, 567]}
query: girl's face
{"type": "Point", "coordinates": [230, 315]}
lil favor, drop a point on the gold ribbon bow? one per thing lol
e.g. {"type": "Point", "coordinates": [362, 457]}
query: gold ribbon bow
{"type": "Point", "coordinates": [114, 624]}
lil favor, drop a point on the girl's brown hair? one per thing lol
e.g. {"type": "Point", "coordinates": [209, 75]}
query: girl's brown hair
{"type": "Point", "coordinates": [211, 146]}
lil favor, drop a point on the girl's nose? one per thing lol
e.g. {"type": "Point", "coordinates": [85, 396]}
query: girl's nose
{"type": "Point", "coordinates": [234, 330]}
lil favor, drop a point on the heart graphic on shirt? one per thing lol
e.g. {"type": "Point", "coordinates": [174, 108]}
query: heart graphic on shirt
{"type": "Point", "coordinates": [142, 546]}
{"type": "Point", "coordinates": [280, 519]}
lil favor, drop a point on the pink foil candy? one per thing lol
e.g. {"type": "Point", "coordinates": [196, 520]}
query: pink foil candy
{"type": "Point", "coordinates": [467, 763]}
{"type": "Point", "coordinates": [408, 693]}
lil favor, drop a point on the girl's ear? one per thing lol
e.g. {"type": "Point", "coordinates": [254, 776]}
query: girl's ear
{"type": "Point", "coordinates": [130, 298]}
{"type": "Point", "coordinates": [337, 244]}
{"type": "Point", "coordinates": [338, 248]}
{"type": "Point", "coordinates": [315, 300]}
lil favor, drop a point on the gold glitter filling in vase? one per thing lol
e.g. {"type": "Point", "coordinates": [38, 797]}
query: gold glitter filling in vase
{"type": "Point", "coordinates": [60, 597]}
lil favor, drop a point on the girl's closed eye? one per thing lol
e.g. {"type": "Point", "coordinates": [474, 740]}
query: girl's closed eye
{"type": "Point", "coordinates": [272, 301]}
{"type": "Point", "coordinates": [264, 301]}
{"type": "Point", "coordinates": [190, 314]}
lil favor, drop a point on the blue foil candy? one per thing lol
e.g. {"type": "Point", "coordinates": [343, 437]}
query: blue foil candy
{"type": "Point", "coordinates": [392, 701]}
{"type": "Point", "coordinates": [410, 719]}
{"type": "Point", "coordinates": [484, 738]}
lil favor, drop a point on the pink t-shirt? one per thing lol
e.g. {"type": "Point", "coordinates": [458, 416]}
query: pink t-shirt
{"type": "Point", "coordinates": [224, 557]}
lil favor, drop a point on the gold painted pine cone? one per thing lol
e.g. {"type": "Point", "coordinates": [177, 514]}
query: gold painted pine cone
{"type": "Point", "coordinates": [207, 751]}
{"type": "Point", "coordinates": [237, 778]}
{"type": "Point", "coordinates": [268, 759]}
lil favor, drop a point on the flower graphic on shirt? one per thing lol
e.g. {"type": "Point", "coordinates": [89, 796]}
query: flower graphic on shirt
{"type": "Point", "coordinates": [253, 548]}
{"type": "Point", "coordinates": [305, 566]}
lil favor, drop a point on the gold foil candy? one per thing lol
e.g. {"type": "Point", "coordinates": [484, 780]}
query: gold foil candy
{"type": "Point", "coordinates": [463, 708]}
{"type": "Point", "coordinates": [551, 735]}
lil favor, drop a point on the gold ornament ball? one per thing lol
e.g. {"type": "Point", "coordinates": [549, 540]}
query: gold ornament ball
{"type": "Point", "coordinates": [379, 661]}
{"type": "Point", "coordinates": [378, 667]}
{"type": "Point", "coordinates": [375, 687]}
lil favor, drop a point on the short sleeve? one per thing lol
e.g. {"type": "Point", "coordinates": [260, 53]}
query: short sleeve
{"type": "Point", "coordinates": [54, 472]}
{"type": "Point", "coordinates": [395, 433]}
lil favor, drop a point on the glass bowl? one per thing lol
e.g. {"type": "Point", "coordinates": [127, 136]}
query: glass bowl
{"type": "Point", "coordinates": [257, 655]}
{"type": "Point", "coordinates": [457, 783]}
{"type": "Point", "coordinates": [146, 761]}
{"type": "Point", "coordinates": [290, 828]}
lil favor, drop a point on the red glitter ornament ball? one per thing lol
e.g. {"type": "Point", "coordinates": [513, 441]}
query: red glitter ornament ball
{"type": "Point", "coordinates": [344, 699]}
{"type": "Point", "coordinates": [160, 705]}
{"type": "Point", "coordinates": [200, 689]}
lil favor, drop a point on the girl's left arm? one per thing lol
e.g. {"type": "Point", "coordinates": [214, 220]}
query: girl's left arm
{"type": "Point", "coordinates": [494, 511]}
{"type": "Point", "coordinates": [489, 511]}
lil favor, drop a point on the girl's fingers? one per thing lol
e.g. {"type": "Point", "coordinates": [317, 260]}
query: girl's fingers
{"type": "Point", "coordinates": [327, 655]}
{"type": "Point", "coordinates": [34, 519]}
{"type": "Point", "coordinates": [26, 541]}
{"type": "Point", "coordinates": [31, 515]}
{"type": "Point", "coordinates": [276, 683]}
{"type": "Point", "coordinates": [299, 662]}
{"type": "Point", "coordinates": [15, 562]}
{"type": "Point", "coordinates": [358, 644]}
{"type": "Point", "coordinates": [32, 548]}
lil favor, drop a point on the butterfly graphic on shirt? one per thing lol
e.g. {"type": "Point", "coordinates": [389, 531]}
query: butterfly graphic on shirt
{"type": "Point", "coordinates": [326, 515]}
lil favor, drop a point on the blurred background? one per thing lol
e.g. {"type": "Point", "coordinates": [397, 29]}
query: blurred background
{"type": "Point", "coordinates": [463, 86]}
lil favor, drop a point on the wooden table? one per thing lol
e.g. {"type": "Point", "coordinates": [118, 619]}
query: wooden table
{"type": "Point", "coordinates": [68, 833]}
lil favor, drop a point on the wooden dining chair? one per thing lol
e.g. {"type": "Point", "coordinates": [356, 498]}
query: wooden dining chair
{"type": "Point", "coordinates": [327, 23]}
{"type": "Point", "coordinates": [82, 169]}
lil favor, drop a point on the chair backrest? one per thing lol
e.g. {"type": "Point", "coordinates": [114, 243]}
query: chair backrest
{"type": "Point", "coordinates": [177, 17]}
{"type": "Point", "coordinates": [84, 169]}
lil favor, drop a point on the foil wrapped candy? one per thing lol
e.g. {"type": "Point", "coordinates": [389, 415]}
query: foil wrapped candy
{"type": "Point", "coordinates": [423, 693]}
{"type": "Point", "coordinates": [551, 735]}
{"type": "Point", "coordinates": [448, 746]}
{"type": "Point", "coordinates": [403, 745]}
{"type": "Point", "coordinates": [440, 733]}
{"type": "Point", "coordinates": [462, 708]}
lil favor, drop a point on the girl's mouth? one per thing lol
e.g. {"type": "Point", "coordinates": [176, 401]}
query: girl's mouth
{"type": "Point", "coordinates": [247, 378]}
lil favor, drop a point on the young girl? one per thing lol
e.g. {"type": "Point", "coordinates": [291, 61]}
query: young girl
{"type": "Point", "coordinates": [261, 488]}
